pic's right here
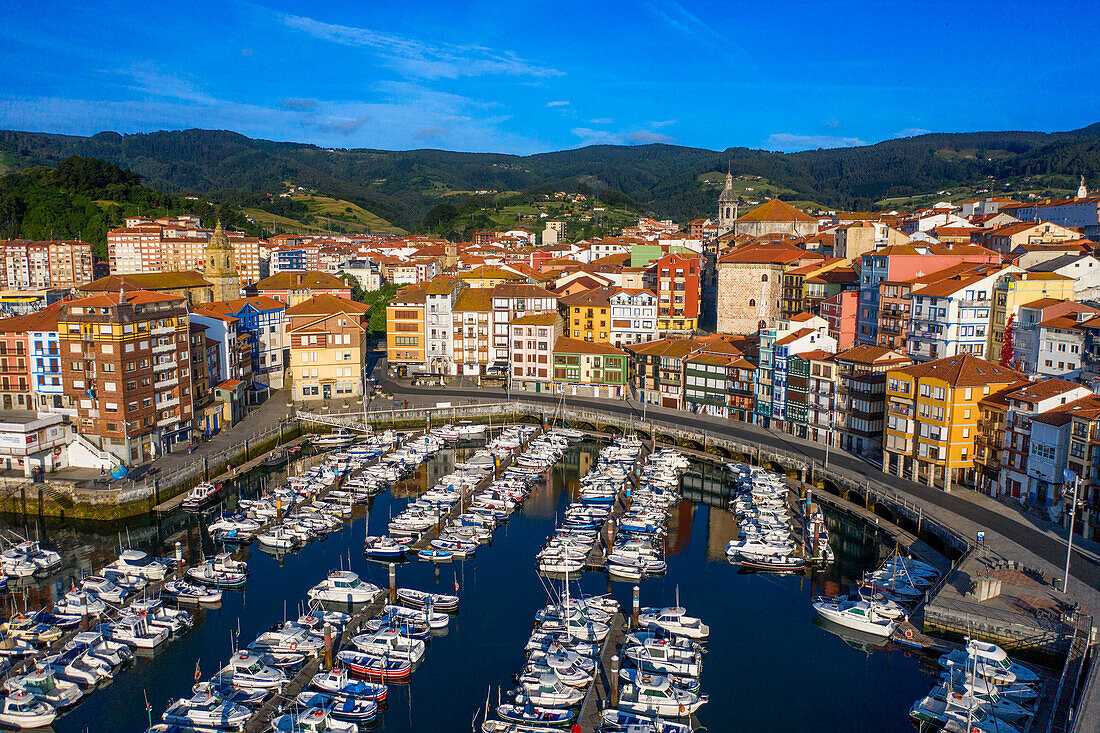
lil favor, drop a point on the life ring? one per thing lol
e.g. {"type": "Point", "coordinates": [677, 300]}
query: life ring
{"type": "Point", "coordinates": [198, 674]}
{"type": "Point", "coordinates": [908, 633]}
{"type": "Point", "coordinates": [957, 696]}
{"type": "Point", "coordinates": [293, 646]}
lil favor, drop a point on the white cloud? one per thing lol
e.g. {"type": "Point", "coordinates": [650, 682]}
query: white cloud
{"type": "Point", "coordinates": [418, 58]}
{"type": "Point", "coordinates": [911, 132]}
{"type": "Point", "coordinates": [601, 121]}
{"type": "Point", "coordinates": [558, 103]}
{"type": "Point", "coordinates": [788, 143]}
{"type": "Point", "coordinates": [589, 136]}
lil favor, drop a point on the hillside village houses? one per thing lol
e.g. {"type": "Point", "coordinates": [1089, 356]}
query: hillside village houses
{"type": "Point", "coordinates": [927, 339]}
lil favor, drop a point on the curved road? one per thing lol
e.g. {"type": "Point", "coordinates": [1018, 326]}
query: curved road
{"type": "Point", "coordinates": [1085, 568]}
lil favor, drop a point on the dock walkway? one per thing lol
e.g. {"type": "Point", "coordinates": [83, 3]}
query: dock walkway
{"type": "Point", "coordinates": [599, 692]}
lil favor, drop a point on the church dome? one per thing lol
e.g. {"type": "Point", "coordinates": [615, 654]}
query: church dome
{"type": "Point", "coordinates": [218, 240]}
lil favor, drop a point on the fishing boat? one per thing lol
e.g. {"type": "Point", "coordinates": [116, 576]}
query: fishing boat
{"type": "Point", "coordinates": [104, 589]}
{"type": "Point", "coordinates": [313, 720]}
{"type": "Point", "coordinates": [534, 715]}
{"type": "Point", "coordinates": [337, 682]}
{"type": "Point", "coordinates": [854, 614]}
{"type": "Point", "coordinates": [201, 496]}
{"type": "Point", "coordinates": [206, 709]}
{"type": "Point", "coordinates": [344, 708]}
{"type": "Point", "coordinates": [374, 667]}
{"type": "Point", "coordinates": [174, 620]}
{"type": "Point", "coordinates": [114, 653]}
{"type": "Point", "coordinates": [432, 555]}
{"type": "Point", "coordinates": [940, 714]}
{"type": "Point", "coordinates": [990, 701]}
{"type": "Point", "coordinates": [276, 458]}
{"type": "Point", "coordinates": [21, 710]}
{"type": "Point", "coordinates": [344, 586]}
{"type": "Point", "coordinates": [278, 537]}
{"type": "Point", "coordinates": [661, 657]}
{"type": "Point", "coordinates": [78, 602]}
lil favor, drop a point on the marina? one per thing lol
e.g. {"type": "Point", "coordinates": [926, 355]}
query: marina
{"type": "Point", "coordinates": [880, 681]}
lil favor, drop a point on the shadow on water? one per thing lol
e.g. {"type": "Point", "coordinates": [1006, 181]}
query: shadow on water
{"type": "Point", "coordinates": [769, 667]}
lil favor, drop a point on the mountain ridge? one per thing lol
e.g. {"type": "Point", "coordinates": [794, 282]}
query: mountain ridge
{"type": "Point", "coordinates": [401, 186]}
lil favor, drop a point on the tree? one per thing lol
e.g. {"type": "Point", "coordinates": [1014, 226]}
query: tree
{"type": "Point", "coordinates": [1007, 352]}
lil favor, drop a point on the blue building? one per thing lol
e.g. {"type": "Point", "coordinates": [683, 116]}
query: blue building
{"type": "Point", "coordinates": [262, 320]}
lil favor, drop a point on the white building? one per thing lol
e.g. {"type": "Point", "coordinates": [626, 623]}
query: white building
{"type": "Point", "coordinates": [438, 321]}
{"type": "Point", "coordinates": [949, 315]}
{"type": "Point", "coordinates": [633, 317]}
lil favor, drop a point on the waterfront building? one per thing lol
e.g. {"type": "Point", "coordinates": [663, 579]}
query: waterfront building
{"type": "Point", "coordinates": [328, 347]}
{"type": "Point", "coordinates": [262, 321]}
{"type": "Point", "coordinates": [533, 338]}
{"type": "Point", "coordinates": [589, 368]}
{"type": "Point", "coordinates": [676, 278]}
{"type": "Point", "coordinates": [861, 396]}
{"type": "Point", "coordinates": [1015, 289]}
{"type": "Point", "coordinates": [126, 364]}
{"type": "Point", "coordinates": [932, 418]}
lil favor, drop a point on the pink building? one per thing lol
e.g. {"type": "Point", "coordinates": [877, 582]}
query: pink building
{"type": "Point", "coordinates": [840, 311]}
{"type": "Point", "coordinates": [532, 350]}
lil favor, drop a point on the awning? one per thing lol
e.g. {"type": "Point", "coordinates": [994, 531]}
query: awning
{"type": "Point", "coordinates": [259, 387]}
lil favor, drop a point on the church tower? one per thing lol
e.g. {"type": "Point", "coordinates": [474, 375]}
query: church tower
{"type": "Point", "coordinates": [1082, 191]}
{"type": "Point", "coordinates": [727, 206]}
{"type": "Point", "coordinates": [221, 266]}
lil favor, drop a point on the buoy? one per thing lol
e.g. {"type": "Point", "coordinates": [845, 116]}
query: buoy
{"type": "Point", "coordinates": [293, 646]}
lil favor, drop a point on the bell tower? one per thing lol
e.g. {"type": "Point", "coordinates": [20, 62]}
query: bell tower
{"type": "Point", "coordinates": [221, 266]}
{"type": "Point", "coordinates": [727, 206]}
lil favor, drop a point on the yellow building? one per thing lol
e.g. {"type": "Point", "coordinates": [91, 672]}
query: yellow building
{"type": "Point", "coordinates": [933, 415]}
{"type": "Point", "coordinates": [405, 347]}
{"type": "Point", "coordinates": [1016, 289]}
{"type": "Point", "coordinates": [490, 277]}
{"type": "Point", "coordinates": [587, 315]}
{"type": "Point", "coordinates": [328, 347]}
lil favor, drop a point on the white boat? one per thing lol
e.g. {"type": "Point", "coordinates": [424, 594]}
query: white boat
{"type": "Point", "coordinates": [390, 644]}
{"type": "Point", "coordinates": [205, 709]}
{"type": "Point", "coordinates": [46, 687]}
{"type": "Point", "coordinates": [344, 586]}
{"type": "Point", "coordinates": [136, 562]}
{"type": "Point", "coordinates": [135, 631]}
{"type": "Point", "coordinates": [80, 603]}
{"type": "Point", "coordinates": [335, 439]}
{"type": "Point", "coordinates": [675, 621]}
{"type": "Point", "coordinates": [662, 657]}
{"type": "Point", "coordinates": [313, 720]}
{"type": "Point", "coordinates": [104, 589]}
{"type": "Point", "coordinates": [21, 710]}
{"type": "Point", "coordinates": [858, 615]}
{"type": "Point", "coordinates": [548, 691]}
{"type": "Point", "coordinates": [652, 694]}
{"type": "Point", "coordinates": [246, 669]}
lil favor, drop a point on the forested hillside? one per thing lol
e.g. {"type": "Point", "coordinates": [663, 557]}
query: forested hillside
{"type": "Point", "coordinates": [664, 180]}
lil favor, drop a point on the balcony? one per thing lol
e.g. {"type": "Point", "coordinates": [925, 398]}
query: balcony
{"type": "Point", "coordinates": [167, 383]}
{"type": "Point", "coordinates": [165, 404]}
{"type": "Point", "coordinates": [970, 303]}
{"type": "Point", "coordinates": [168, 421]}
{"type": "Point", "coordinates": [900, 410]}
{"type": "Point", "coordinates": [161, 366]}
{"type": "Point", "coordinates": [162, 330]}
{"type": "Point", "coordinates": [164, 348]}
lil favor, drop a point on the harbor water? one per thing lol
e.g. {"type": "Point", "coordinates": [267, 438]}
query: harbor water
{"type": "Point", "coordinates": [770, 667]}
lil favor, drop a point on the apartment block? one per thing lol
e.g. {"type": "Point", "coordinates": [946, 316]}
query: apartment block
{"type": "Point", "coordinates": [328, 347]}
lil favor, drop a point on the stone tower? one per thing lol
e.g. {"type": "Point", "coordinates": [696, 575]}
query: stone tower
{"type": "Point", "coordinates": [727, 206]}
{"type": "Point", "coordinates": [221, 266]}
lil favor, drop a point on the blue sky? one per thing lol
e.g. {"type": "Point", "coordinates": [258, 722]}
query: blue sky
{"type": "Point", "coordinates": [524, 77]}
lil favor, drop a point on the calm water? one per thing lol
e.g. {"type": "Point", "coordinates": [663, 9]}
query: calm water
{"type": "Point", "coordinates": [769, 667]}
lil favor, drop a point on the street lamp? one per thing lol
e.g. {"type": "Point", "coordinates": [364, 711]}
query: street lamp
{"type": "Point", "coordinates": [1069, 476]}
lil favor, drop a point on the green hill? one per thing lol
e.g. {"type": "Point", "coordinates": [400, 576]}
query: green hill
{"type": "Point", "coordinates": [400, 187]}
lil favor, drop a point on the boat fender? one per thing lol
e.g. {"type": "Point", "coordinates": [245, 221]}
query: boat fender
{"type": "Point", "coordinates": [682, 709]}
{"type": "Point", "coordinates": [908, 633]}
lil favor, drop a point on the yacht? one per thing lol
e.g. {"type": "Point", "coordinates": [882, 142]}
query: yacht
{"type": "Point", "coordinates": [387, 643]}
{"type": "Point", "coordinates": [854, 614]}
{"type": "Point", "coordinates": [335, 439]}
{"type": "Point", "coordinates": [675, 621]}
{"type": "Point", "coordinates": [135, 631]}
{"type": "Point", "coordinates": [136, 562]}
{"type": "Point", "coordinates": [207, 710]}
{"type": "Point", "coordinates": [21, 710]}
{"type": "Point", "coordinates": [246, 669]}
{"type": "Point", "coordinates": [652, 694]}
{"type": "Point", "coordinates": [337, 682]}
{"type": "Point", "coordinates": [312, 720]}
{"type": "Point", "coordinates": [46, 687]}
{"type": "Point", "coordinates": [344, 586]}
{"type": "Point", "coordinates": [344, 708]}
